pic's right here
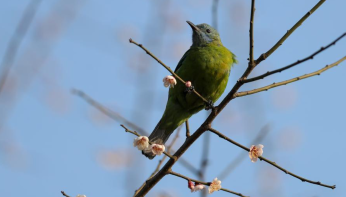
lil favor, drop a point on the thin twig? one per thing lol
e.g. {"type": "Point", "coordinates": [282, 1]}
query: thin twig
{"type": "Point", "coordinates": [168, 68]}
{"type": "Point", "coordinates": [136, 134]}
{"type": "Point", "coordinates": [265, 88]}
{"type": "Point", "coordinates": [288, 33]}
{"type": "Point", "coordinates": [270, 162]}
{"type": "Point", "coordinates": [295, 63]}
{"type": "Point", "coordinates": [251, 48]}
{"type": "Point", "coordinates": [16, 40]}
{"type": "Point", "coordinates": [187, 127]}
{"type": "Point", "coordinates": [203, 183]}
{"type": "Point", "coordinates": [64, 194]}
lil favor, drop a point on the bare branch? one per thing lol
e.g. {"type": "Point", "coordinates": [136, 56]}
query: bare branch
{"type": "Point", "coordinates": [270, 162]}
{"type": "Point", "coordinates": [295, 63]}
{"type": "Point", "coordinates": [265, 88]}
{"type": "Point", "coordinates": [203, 183]}
{"type": "Point", "coordinates": [168, 68]}
{"type": "Point", "coordinates": [251, 59]}
{"type": "Point", "coordinates": [289, 32]}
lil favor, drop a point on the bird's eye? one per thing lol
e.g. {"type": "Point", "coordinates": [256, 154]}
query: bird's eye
{"type": "Point", "coordinates": [208, 30]}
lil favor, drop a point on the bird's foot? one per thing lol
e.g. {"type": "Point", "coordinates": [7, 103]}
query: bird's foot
{"type": "Point", "coordinates": [189, 90]}
{"type": "Point", "coordinates": [209, 105]}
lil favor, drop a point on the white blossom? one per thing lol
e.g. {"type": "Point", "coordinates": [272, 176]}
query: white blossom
{"type": "Point", "coordinates": [198, 187]}
{"type": "Point", "coordinates": [141, 142]}
{"type": "Point", "coordinates": [169, 81]}
{"type": "Point", "coordinates": [215, 186]}
{"type": "Point", "coordinates": [255, 152]}
{"type": "Point", "coordinates": [157, 149]}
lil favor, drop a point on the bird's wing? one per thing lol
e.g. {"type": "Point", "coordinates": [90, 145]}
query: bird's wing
{"type": "Point", "coordinates": [181, 61]}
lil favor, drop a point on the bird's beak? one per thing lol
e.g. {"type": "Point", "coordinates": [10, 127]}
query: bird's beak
{"type": "Point", "coordinates": [193, 26]}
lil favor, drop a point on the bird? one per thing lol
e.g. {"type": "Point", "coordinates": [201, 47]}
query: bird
{"type": "Point", "coordinates": [207, 65]}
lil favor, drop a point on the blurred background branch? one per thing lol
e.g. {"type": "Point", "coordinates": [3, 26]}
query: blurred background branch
{"type": "Point", "coordinates": [16, 40]}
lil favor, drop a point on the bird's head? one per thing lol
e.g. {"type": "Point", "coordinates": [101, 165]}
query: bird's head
{"type": "Point", "coordinates": [204, 34]}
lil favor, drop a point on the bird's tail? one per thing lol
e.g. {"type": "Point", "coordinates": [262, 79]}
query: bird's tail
{"type": "Point", "coordinates": [158, 136]}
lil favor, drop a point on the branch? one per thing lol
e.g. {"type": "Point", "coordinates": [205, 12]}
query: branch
{"type": "Point", "coordinates": [203, 183]}
{"type": "Point", "coordinates": [271, 162]}
{"type": "Point", "coordinates": [64, 194]}
{"type": "Point", "coordinates": [289, 32]}
{"type": "Point", "coordinates": [251, 59]}
{"type": "Point", "coordinates": [16, 40]}
{"type": "Point", "coordinates": [265, 88]}
{"type": "Point", "coordinates": [168, 68]}
{"type": "Point", "coordinates": [295, 63]}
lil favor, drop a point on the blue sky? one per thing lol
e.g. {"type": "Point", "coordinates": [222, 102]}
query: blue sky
{"type": "Point", "coordinates": [52, 140]}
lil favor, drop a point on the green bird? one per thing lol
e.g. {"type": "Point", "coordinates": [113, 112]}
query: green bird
{"type": "Point", "coordinates": [207, 64]}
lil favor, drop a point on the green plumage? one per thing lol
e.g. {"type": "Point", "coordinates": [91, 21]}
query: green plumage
{"type": "Point", "coordinates": [207, 65]}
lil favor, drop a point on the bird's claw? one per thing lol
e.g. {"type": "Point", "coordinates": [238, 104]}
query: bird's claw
{"type": "Point", "coordinates": [209, 105]}
{"type": "Point", "coordinates": [190, 89]}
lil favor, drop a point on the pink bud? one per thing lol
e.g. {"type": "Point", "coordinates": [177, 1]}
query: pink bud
{"type": "Point", "coordinates": [190, 185]}
{"type": "Point", "coordinates": [188, 84]}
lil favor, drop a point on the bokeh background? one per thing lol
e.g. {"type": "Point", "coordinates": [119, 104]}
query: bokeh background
{"type": "Point", "coordinates": [52, 140]}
